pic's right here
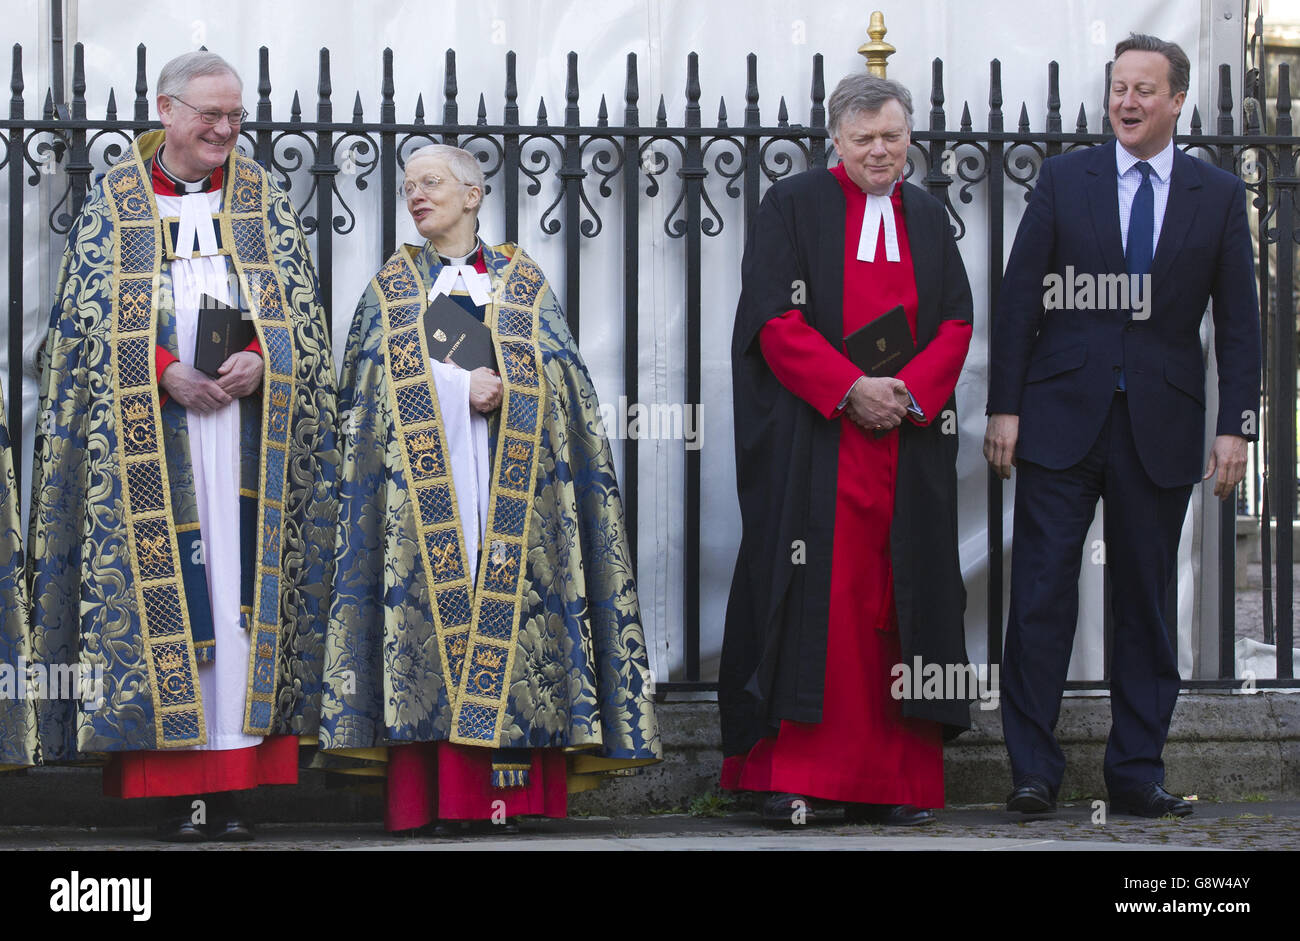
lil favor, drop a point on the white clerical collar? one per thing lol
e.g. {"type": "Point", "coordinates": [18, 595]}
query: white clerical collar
{"type": "Point", "coordinates": [1162, 164]}
{"type": "Point", "coordinates": [461, 260]}
{"type": "Point", "coordinates": [182, 187]}
{"type": "Point", "coordinates": [457, 272]}
{"type": "Point", "coordinates": [878, 213]}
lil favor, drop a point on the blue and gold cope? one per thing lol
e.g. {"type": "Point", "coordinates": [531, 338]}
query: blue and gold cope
{"type": "Point", "coordinates": [114, 517]}
{"type": "Point", "coordinates": [545, 648]}
{"type": "Point", "coordinates": [17, 712]}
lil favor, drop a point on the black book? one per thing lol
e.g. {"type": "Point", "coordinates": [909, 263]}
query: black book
{"type": "Point", "coordinates": [453, 332]}
{"type": "Point", "coordinates": [883, 346]}
{"type": "Point", "coordinates": [223, 331]}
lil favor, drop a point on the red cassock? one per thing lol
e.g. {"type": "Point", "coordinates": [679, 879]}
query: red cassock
{"type": "Point", "coordinates": [430, 781]}
{"type": "Point", "coordinates": [179, 773]}
{"type": "Point", "coordinates": [863, 750]}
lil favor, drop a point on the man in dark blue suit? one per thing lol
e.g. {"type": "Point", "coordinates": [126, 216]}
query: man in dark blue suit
{"type": "Point", "coordinates": [1097, 389]}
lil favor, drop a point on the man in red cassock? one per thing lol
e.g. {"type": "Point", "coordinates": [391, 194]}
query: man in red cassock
{"type": "Point", "coordinates": [848, 563]}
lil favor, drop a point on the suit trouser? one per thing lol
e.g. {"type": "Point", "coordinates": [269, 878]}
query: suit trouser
{"type": "Point", "coordinates": [1054, 509]}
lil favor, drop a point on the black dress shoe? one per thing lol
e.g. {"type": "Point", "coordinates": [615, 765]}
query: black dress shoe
{"type": "Point", "coordinates": [509, 826]}
{"type": "Point", "coordinates": [889, 815]}
{"type": "Point", "coordinates": [180, 830]}
{"type": "Point", "coordinates": [231, 830]}
{"type": "Point", "coordinates": [788, 810]}
{"type": "Point", "coordinates": [1149, 800]}
{"type": "Point", "coordinates": [226, 823]}
{"type": "Point", "coordinates": [1031, 797]}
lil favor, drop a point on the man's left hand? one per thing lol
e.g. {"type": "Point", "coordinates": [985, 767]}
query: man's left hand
{"type": "Point", "coordinates": [241, 374]}
{"type": "Point", "coordinates": [1228, 458]}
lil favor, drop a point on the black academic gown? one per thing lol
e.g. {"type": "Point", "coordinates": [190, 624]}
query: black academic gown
{"type": "Point", "coordinates": [774, 651]}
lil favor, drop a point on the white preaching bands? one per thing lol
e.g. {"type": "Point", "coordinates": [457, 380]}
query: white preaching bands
{"type": "Point", "coordinates": [477, 285]}
{"type": "Point", "coordinates": [878, 211]}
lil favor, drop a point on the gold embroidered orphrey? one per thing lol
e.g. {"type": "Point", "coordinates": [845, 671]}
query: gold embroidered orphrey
{"type": "Point", "coordinates": [477, 625]}
{"type": "Point", "coordinates": [153, 554]}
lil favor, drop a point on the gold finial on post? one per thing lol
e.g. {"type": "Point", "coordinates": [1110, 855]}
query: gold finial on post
{"type": "Point", "coordinates": [877, 51]}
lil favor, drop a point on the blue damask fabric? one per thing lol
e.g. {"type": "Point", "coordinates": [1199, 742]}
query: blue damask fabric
{"type": "Point", "coordinates": [579, 677]}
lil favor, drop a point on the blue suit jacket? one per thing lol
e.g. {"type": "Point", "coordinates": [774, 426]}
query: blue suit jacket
{"type": "Point", "coordinates": [1056, 368]}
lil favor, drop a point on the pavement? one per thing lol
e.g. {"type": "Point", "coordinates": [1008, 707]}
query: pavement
{"type": "Point", "coordinates": [1255, 825]}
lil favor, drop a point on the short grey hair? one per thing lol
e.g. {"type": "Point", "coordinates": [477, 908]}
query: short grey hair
{"type": "Point", "coordinates": [860, 92]}
{"type": "Point", "coordinates": [464, 166]}
{"type": "Point", "coordinates": [1180, 69]}
{"type": "Point", "coordinates": [179, 72]}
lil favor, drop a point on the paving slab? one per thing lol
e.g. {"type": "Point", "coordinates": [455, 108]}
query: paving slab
{"type": "Point", "coordinates": [1078, 826]}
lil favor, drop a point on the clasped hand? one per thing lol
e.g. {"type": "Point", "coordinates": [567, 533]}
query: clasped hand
{"type": "Point", "coordinates": [484, 388]}
{"type": "Point", "coordinates": [878, 404]}
{"type": "Point", "coordinates": [239, 376]}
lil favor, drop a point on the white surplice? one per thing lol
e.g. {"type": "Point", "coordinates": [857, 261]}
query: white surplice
{"type": "Point", "coordinates": [214, 458]}
{"type": "Point", "coordinates": [464, 429]}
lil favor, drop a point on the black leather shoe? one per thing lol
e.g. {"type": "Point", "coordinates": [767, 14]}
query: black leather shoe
{"type": "Point", "coordinates": [231, 830]}
{"type": "Point", "coordinates": [509, 826]}
{"type": "Point", "coordinates": [888, 815]}
{"type": "Point", "coordinates": [448, 829]}
{"type": "Point", "coordinates": [788, 810]}
{"type": "Point", "coordinates": [1031, 797]}
{"type": "Point", "coordinates": [1149, 800]}
{"type": "Point", "coordinates": [180, 830]}
{"type": "Point", "coordinates": [225, 822]}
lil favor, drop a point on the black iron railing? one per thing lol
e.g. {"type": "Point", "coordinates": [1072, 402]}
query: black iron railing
{"type": "Point", "coordinates": [330, 164]}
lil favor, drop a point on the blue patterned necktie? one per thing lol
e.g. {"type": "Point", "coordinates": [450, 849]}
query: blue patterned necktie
{"type": "Point", "coordinates": [1141, 229]}
{"type": "Point", "coordinates": [1141, 224]}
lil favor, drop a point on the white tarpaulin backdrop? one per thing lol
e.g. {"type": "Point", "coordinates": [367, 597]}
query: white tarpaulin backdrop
{"type": "Point", "coordinates": [785, 34]}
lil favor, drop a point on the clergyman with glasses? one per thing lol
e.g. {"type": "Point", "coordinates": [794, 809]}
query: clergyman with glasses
{"type": "Point", "coordinates": [184, 474]}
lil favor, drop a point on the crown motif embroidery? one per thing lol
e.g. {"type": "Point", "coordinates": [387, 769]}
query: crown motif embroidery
{"type": "Point", "coordinates": [280, 398]}
{"type": "Point", "coordinates": [427, 441]}
{"type": "Point", "coordinates": [136, 411]}
{"type": "Point", "coordinates": [488, 657]}
{"type": "Point", "coordinates": [265, 650]}
{"type": "Point", "coordinates": [170, 661]}
{"type": "Point", "coordinates": [457, 646]}
{"type": "Point", "coordinates": [246, 172]}
{"type": "Point", "coordinates": [517, 451]}
{"type": "Point", "coordinates": [124, 183]}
